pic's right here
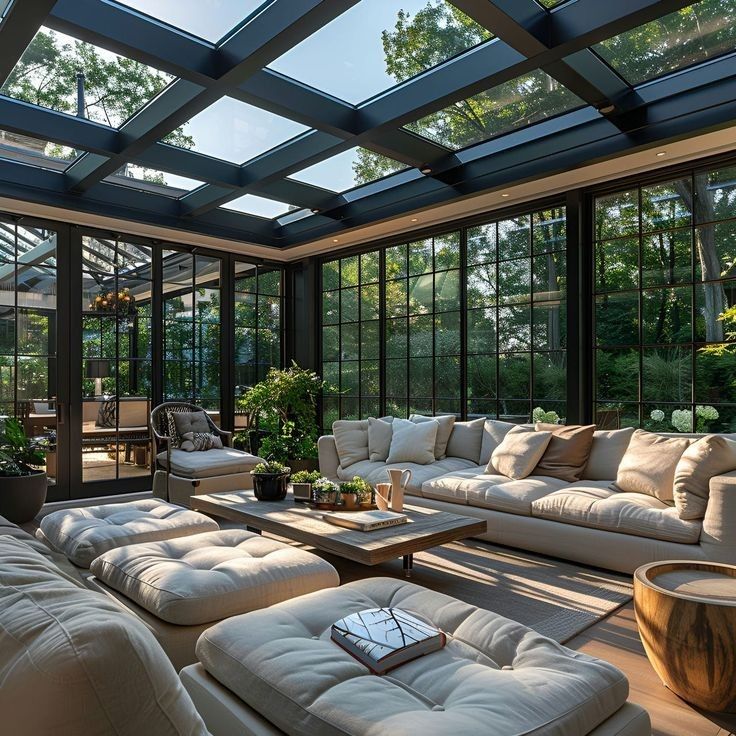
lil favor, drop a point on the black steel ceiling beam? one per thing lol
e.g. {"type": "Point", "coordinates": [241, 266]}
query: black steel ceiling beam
{"type": "Point", "coordinates": [17, 30]}
{"type": "Point", "coordinates": [277, 28]}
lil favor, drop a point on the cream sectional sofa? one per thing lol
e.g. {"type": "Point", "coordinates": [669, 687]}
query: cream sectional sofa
{"type": "Point", "coordinates": [585, 521]}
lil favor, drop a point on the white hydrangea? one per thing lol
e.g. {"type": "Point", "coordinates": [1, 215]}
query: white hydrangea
{"type": "Point", "coordinates": [682, 420]}
{"type": "Point", "coordinates": [657, 415]}
{"type": "Point", "coordinates": [708, 413]}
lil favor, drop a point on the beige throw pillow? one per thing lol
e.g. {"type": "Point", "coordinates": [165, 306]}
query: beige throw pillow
{"type": "Point", "coordinates": [380, 433]}
{"type": "Point", "coordinates": [648, 466]}
{"type": "Point", "coordinates": [567, 452]}
{"type": "Point", "coordinates": [518, 453]}
{"type": "Point", "coordinates": [413, 443]}
{"type": "Point", "coordinates": [446, 423]}
{"type": "Point", "coordinates": [609, 447]}
{"type": "Point", "coordinates": [712, 455]}
{"type": "Point", "coordinates": [351, 440]}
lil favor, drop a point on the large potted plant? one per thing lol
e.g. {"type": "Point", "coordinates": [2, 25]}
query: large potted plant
{"type": "Point", "coordinates": [22, 484]}
{"type": "Point", "coordinates": [270, 481]}
{"type": "Point", "coordinates": [283, 408]}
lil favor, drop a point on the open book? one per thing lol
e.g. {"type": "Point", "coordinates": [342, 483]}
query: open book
{"type": "Point", "coordinates": [366, 521]}
{"type": "Point", "coordinates": [385, 638]}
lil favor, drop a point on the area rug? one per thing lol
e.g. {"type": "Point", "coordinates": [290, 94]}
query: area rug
{"type": "Point", "coordinates": [556, 598]}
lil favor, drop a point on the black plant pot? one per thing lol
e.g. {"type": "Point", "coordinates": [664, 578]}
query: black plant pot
{"type": "Point", "coordinates": [270, 486]}
{"type": "Point", "coordinates": [21, 497]}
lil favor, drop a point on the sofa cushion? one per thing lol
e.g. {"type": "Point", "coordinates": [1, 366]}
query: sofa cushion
{"type": "Point", "coordinates": [74, 663]}
{"type": "Point", "coordinates": [494, 431]}
{"type": "Point", "coordinates": [606, 452]}
{"type": "Point", "coordinates": [711, 455]}
{"type": "Point", "coordinates": [465, 440]}
{"type": "Point", "coordinates": [413, 443]}
{"type": "Point", "coordinates": [85, 533]}
{"type": "Point", "coordinates": [376, 472]}
{"type": "Point", "coordinates": [380, 433]}
{"type": "Point", "coordinates": [594, 504]}
{"type": "Point", "coordinates": [567, 452]}
{"type": "Point", "coordinates": [210, 463]}
{"type": "Point", "coordinates": [446, 422]}
{"type": "Point", "coordinates": [351, 440]}
{"type": "Point", "coordinates": [518, 454]}
{"type": "Point", "coordinates": [648, 466]}
{"type": "Point", "coordinates": [493, 676]}
{"type": "Point", "coordinates": [208, 577]}
{"type": "Point", "coordinates": [475, 487]}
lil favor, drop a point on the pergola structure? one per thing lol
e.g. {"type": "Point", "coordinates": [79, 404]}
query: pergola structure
{"type": "Point", "coordinates": [613, 116]}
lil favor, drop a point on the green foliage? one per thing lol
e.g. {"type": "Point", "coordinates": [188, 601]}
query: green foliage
{"type": "Point", "coordinates": [548, 417]}
{"type": "Point", "coordinates": [272, 467]}
{"type": "Point", "coordinates": [323, 489]}
{"type": "Point", "coordinates": [360, 487]}
{"type": "Point", "coordinates": [17, 453]}
{"type": "Point", "coordinates": [306, 476]}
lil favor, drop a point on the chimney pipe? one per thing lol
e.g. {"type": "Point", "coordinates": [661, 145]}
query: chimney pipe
{"type": "Point", "coordinates": [80, 95]}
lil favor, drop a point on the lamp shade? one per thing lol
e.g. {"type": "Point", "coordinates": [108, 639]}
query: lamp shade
{"type": "Point", "coordinates": [98, 368]}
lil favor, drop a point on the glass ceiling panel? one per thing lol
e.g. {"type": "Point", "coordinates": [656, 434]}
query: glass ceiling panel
{"type": "Point", "coordinates": [115, 87]}
{"type": "Point", "coordinates": [515, 104]}
{"type": "Point", "coordinates": [690, 36]}
{"type": "Point", "coordinates": [35, 151]}
{"type": "Point", "coordinates": [234, 131]}
{"type": "Point", "coordinates": [348, 169]}
{"type": "Point", "coordinates": [250, 204]}
{"type": "Point", "coordinates": [379, 43]}
{"type": "Point", "coordinates": [549, 4]}
{"type": "Point", "coordinates": [208, 19]}
{"type": "Point", "coordinates": [140, 177]}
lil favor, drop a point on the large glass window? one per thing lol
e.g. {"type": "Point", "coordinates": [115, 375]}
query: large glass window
{"type": "Point", "coordinates": [664, 293]}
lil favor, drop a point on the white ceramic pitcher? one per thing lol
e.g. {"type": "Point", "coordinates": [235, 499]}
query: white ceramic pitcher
{"type": "Point", "coordinates": [398, 486]}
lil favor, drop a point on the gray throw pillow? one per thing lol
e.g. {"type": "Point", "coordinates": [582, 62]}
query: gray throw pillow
{"type": "Point", "coordinates": [413, 443]}
{"type": "Point", "coordinates": [200, 442]}
{"type": "Point", "coordinates": [380, 433]}
{"type": "Point", "coordinates": [351, 440]}
{"type": "Point", "coordinates": [446, 422]}
{"type": "Point", "coordinates": [466, 439]}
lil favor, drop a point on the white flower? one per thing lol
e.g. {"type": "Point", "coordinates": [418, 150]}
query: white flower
{"type": "Point", "coordinates": [657, 415]}
{"type": "Point", "coordinates": [709, 413]}
{"type": "Point", "coordinates": [682, 420]}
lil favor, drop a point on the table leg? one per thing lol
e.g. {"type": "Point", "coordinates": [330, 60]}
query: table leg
{"type": "Point", "coordinates": [408, 565]}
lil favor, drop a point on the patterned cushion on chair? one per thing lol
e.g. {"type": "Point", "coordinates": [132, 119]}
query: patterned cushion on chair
{"type": "Point", "coordinates": [200, 441]}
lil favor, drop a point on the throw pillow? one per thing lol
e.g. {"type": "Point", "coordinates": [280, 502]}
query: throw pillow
{"type": "Point", "coordinates": [518, 453]}
{"type": "Point", "coordinates": [200, 441]}
{"type": "Point", "coordinates": [712, 455]}
{"type": "Point", "coordinates": [567, 452]}
{"type": "Point", "coordinates": [446, 423]}
{"type": "Point", "coordinates": [609, 447]}
{"type": "Point", "coordinates": [648, 466]}
{"type": "Point", "coordinates": [413, 443]}
{"type": "Point", "coordinates": [494, 431]}
{"type": "Point", "coordinates": [191, 421]}
{"type": "Point", "coordinates": [380, 432]}
{"type": "Point", "coordinates": [466, 439]}
{"type": "Point", "coordinates": [351, 440]}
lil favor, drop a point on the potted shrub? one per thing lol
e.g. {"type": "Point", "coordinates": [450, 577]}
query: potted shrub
{"type": "Point", "coordinates": [270, 480]}
{"type": "Point", "coordinates": [356, 492]}
{"type": "Point", "coordinates": [22, 485]}
{"type": "Point", "coordinates": [301, 483]}
{"type": "Point", "coordinates": [325, 492]}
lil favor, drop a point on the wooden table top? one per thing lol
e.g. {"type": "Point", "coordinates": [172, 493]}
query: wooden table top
{"type": "Point", "coordinates": [426, 528]}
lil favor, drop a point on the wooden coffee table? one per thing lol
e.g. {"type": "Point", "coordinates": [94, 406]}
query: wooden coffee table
{"type": "Point", "coordinates": [426, 528]}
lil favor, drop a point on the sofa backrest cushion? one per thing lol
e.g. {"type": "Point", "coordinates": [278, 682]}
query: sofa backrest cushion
{"type": "Point", "coordinates": [606, 452]}
{"type": "Point", "coordinates": [466, 439]}
{"type": "Point", "coordinates": [446, 423]}
{"type": "Point", "coordinates": [517, 456]}
{"type": "Point", "coordinates": [567, 452]}
{"type": "Point", "coordinates": [351, 440]}
{"type": "Point", "coordinates": [413, 443]}
{"type": "Point", "coordinates": [380, 433]}
{"type": "Point", "coordinates": [648, 466]}
{"type": "Point", "coordinates": [494, 431]}
{"type": "Point", "coordinates": [711, 455]}
{"type": "Point", "coordinates": [73, 663]}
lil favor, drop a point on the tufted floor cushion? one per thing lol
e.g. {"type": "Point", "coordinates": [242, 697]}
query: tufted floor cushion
{"type": "Point", "coordinates": [209, 463]}
{"type": "Point", "coordinates": [208, 577]}
{"type": "Point", "coordinates": [83, 534]}
{"type": "Point", "coordinates": [494, 677]}
{"type": "Point", "coordinates": [594, 504]}
{"type": "Point", "coordinates": [73, 664]}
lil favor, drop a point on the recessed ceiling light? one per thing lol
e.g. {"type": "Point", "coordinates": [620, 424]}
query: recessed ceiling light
{"type": "Point", "coordinates": [661, 153]}
{"type": "Point", "coordinates": [315, 210]}
{"type": "Point", "coordinates": [426, 169]}
{"type": "Point", "coordinates": [415, 219]}
{"type": "Point", "coordinates": [505, 194]}
{"type": "Point", "coordinates": [606, 109]}
{"type": "Point", "coordinates": [335, 240]}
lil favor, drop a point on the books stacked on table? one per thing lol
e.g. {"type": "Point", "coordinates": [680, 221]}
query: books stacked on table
{"type": "Point", "coordinates": [366, 521]}
{"type": "Point", "coordinates": [385, 638]}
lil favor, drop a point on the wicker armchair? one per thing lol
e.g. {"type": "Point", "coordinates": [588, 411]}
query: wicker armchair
{"type": "Point", "coordinates": [179, 475]}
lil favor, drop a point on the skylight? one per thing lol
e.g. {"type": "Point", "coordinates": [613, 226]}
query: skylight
{"type": "Point", "coordinates": [31, 150]}
{"type": "Point", "coordinates": [364, 51]}
{"type": "Point", "coordinates": [515, 104]}
{"type": "Point", "coordinates": [250, 204]}
{"type": "Point", "coordinates": [140, 177]}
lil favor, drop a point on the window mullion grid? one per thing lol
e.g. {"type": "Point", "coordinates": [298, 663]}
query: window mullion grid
{"type": "Point", "coordinates": [463, 275]}
{"type": "Point", "coordinates": [693, 297]}
{"type": "Point", "coordinates": [382, 352]}
{"type": "Point", "coordinates": [16, 374]}
{"type": "Point", "coordinates": [360, 335]}
{"type": "Point", "coordinates": [433, 398]}
{"type": "Point", "coordinates": [497, 320]}
{"type": "Point", "coordinates": [640, 309]}
{"type": "Point", "coordinates": [530, 256]}
{"type": "Point", "coordinates": [116, 332]}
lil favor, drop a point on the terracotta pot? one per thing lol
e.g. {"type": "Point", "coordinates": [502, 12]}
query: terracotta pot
{"type": "Point", "coordinates": [350, 500]}
{"type": "Point", "coordinates": [22, 497]}
{"type": "Point", "coordinates": [270, 486]}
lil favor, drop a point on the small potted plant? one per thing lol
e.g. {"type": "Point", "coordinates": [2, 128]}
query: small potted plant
{"type": "Point", "coordinates": [22, 483]}
{"type": "Point", "coordinates": [325, 492]}
{"type": "Point", "coordinates": [270, 480]}
{"type": "Point", "coordinates": [364, 491]}
{"type": "Point", "coordinates": [356, 492]}
{"type": "Point", "coordinates": [301, 484]}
